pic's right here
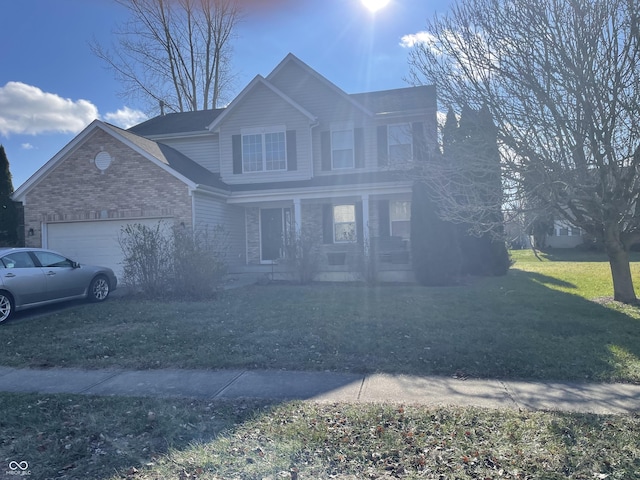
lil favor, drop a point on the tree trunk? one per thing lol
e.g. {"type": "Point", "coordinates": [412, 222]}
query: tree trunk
{"type": "Point", "coordinates": [623, 290]}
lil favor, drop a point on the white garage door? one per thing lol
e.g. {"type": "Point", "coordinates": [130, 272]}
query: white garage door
{"type": "Point", "coordinates": [93, 243]}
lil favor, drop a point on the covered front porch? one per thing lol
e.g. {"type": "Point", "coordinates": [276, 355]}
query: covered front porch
{"type": "Point", "coordinates": [341, 236]}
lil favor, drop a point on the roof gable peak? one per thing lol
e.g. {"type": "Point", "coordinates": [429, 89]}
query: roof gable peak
{"type": "Point", "coordinates": [291, 58]}
{"type": "Point", "coordinates": [259, 80]}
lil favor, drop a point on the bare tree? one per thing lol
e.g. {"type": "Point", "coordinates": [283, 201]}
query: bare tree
{"type": "Point", "coordinates": [174, 53]}
{"type": "Point", "coordinates": [561, 79]}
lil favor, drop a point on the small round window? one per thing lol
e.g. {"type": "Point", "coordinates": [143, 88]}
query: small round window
{"type": "Point", "coordinates": [102, 161]}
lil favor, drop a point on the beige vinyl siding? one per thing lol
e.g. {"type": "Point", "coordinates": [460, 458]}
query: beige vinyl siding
{"type": "Point", "coordinates": [314, 94]}
{"type": "Point", "coordinates": [331, 107]}
{"type": "Point", "coordinates": [211, 212]}
{"type": "Point", "coordinates": [263, 108]}
{"type": "Point", "coordinates": [203, 150]}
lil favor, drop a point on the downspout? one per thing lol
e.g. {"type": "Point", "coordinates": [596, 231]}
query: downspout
{"type": "Point", "coordinates": [193, 209]}
{"type": "Point", "coordinates": [311, 127]}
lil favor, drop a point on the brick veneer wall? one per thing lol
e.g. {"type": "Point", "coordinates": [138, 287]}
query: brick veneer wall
{"type": "Point", "coordinates": [252, 219]}
{"type": "Point", "coordinates": [131, 187]}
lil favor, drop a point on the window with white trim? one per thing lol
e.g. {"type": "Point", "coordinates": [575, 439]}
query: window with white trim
{"type": "Point", "coordinates": [400, 219]}
{"type": "Point", "coordinates": [264, 150]}
{"type": "Point", "coordinates": [342, 149]}
{"type": "Point", "coordinates": [400, 142]}
{"type": "Point", "coordinates": [344, 223]}
{"type": "Point", "coordinates": [564, 229]}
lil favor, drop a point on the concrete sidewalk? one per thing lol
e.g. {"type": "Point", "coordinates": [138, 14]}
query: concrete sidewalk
{"type": "Point", "coordinates": [327, 387]}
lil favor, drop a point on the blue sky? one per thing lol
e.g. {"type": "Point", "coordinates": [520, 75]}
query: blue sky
{"type": "Point", "coordinates": [51, 85]}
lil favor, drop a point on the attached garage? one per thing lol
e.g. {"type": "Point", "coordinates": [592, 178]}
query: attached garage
{"type": "Point", "coordinates": [104, 179]}
{"type": "Point", "coordinates": [94, 242]}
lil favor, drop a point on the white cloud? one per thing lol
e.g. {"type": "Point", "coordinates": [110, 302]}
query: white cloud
{"type": "Point", "coordinates": [412, 39]}
{"type": "Point", "coordinates": [27, 146]}
{"type": "Point", "coordinates": [25, 109]}
{"type": "Point", "coordinates": [125, 117]}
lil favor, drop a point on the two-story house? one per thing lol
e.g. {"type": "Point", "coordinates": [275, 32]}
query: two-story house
{"type": "Point", "coordinates": [291, 154]}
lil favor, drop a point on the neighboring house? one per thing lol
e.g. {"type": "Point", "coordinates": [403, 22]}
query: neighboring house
{"type": "Point", "coordinates": [291, 153]}
{"type": "Point", "coordinates": [564, 235]}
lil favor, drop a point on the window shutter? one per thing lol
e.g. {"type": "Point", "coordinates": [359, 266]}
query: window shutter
{"type": "Point", "coordinates": [383, 146]}
{"type": "Point", "coordinates": [359, 223]}
{"type": "Point", "coordinates": [327, 223]}
{"type": "Point", "coordinates": [358, 147]}
{"type": "Point", "coordinates": [292, 151]}
{"type": "Point", "coordinates": [384, 229]}
{"type": "Point", "coordinates": [419, 141]}
{"type": "Point", "coordinates": [325, 149]}
{"type": "Point", "coordinates": [236, 148]}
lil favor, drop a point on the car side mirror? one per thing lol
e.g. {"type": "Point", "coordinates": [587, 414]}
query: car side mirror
{"type": "Point", "coordinates": [75, 264]}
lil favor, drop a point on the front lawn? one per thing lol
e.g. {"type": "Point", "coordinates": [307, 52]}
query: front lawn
{"type": "Point", "coordinates": [538, 322]}
{"type": "Point", "coordinates": [73, 437]}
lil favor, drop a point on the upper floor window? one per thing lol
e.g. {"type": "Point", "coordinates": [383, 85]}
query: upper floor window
{"type": "Point", "coordinates": [342, 147]}
{"type": "Point", "coordinates": [342, 152]}
{"type": "Point", "coordinates": [264, 149]}
{"type": "Point", "coordinates": [400, 143]}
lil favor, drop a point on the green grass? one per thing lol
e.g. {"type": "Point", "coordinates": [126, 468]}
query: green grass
{"type": "Point", "coordinates": [538, 322]}
{"type": "Point", "coordinates": [76, 437]}
{"type": "Point", "coordinates": [73, 437]}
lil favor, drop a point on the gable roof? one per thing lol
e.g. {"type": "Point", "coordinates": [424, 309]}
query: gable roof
{"type": "Point", "coordinates": [291, 58]}
{"type": "Point", "coordinates": [398, 100]}
{"type": "Point", "coordinates": [259, 80]}
{"type": "Point", "coordinates": [167, 158]}
{"type": "Point", "coordinates": [170, 157]}
{"type": "Point", "coordinates": [177, 123]}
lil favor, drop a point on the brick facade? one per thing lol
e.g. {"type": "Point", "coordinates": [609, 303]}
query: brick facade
{"type": "Point", "coordinates": [132, 187]}
{"type": "Point", "coordinates": [252, 219]}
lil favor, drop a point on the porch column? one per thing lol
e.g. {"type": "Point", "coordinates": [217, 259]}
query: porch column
{"type": "Point", "coordinates": [365, 224]}
{"type": "Point", "coordinates": [297, 217]}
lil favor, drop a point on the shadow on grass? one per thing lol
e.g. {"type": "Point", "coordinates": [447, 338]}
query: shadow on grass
{"type": "Point", "coordinates": [518, 327]}
{"type": "Point", "coordinates": [515, 327]}
{"type": "Point", "coordinates": [578, 255]}
{"type": "Point", "coordinates": [546, 280]}
{"type": "Point", "coordinates": [537, 332]}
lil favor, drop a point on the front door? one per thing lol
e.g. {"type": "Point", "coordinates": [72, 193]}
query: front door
{"type": "Point", "coordinates": [272, 233]}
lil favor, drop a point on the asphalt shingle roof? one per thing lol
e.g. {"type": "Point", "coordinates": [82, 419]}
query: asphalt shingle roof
{"type": "Point", "coordinates": [398, 100]}
{"type": "Point", "coordinates": [174, 159]}
{"type": "Point", "coordinates": [380, 102]}
{"type": "Point", "coordinates": [176, 123]}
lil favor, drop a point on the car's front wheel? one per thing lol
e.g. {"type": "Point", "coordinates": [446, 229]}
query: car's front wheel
{"type": "Point", "coordinates": [99, 289]}
{"type": "Point", "coordinates": [6, 306]}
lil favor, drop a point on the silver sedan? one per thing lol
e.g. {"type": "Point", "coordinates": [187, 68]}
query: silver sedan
{"type": "Point", "coordinates": [32, 277]}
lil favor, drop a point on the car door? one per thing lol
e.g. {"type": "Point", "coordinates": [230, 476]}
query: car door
{"type": "Point", "coordinates": [62, 278]}
{"type": "Point", "coordinates": [23, 278]}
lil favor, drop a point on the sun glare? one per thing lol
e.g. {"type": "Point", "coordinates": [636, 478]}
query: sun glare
{"type": "Point", "coordinates": [375, 5]}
